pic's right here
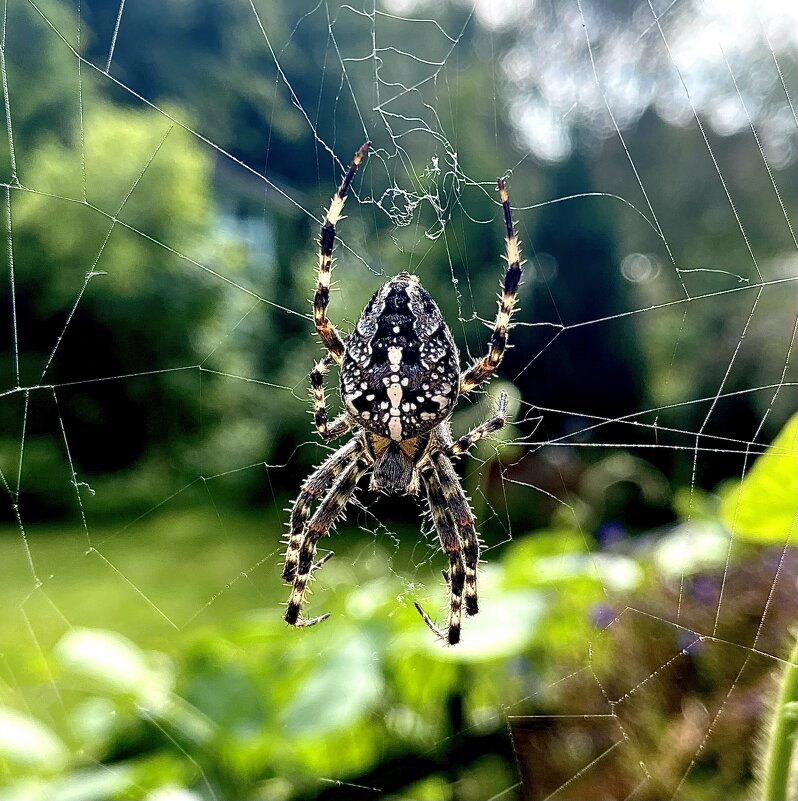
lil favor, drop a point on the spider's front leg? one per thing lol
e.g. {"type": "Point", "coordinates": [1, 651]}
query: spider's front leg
{"type": "Point", "coordinates": [329, 336]}
{"type": "Point", "coordinates": [327, 513]}
{"type": "Point", "coordinates": [483, 369]}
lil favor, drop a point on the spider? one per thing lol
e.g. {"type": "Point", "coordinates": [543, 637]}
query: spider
{"type": "Point", "coordinates": [400, 381]}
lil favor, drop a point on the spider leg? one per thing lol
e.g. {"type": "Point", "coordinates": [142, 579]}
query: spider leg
{"type": "Point", "coordinates": [458, 507]}
{"type": "Point", "coordinates": [452, 545]}
{"type": "Point", "coordinates": [484, 368]}
{"type": "Point", "coordinates": [314, 620]}
{"type": "Point", "coordinates": [452, 635]}
{"type": "Point", "coordinates": [317, 483]}
{"type": "Point", "coordinates": [428, 620]}
{"type": "Point", "coordinates": [327, 513]}
{"type": "Point", "coordinates": [329, 336]}
{"type": "Point", "coordinates": [482, 431]}
{"type": "Point", "coordinates": [343, 423]}
{"type": "Point", "coordinates": [323, 561]}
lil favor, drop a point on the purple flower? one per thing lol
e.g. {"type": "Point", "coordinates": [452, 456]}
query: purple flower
{"type": "Point", "coordinates": [610, 533]}
{"type": "Point", "coordinates": [601, 615]}
{"type": "Point", "coordinates": [704, 590]}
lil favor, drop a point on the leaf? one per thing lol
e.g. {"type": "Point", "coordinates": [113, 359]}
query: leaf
{"type": "Point", "coordinates": [612, 571]}
{"type": "Point", "coordinates": [506, 624]}
{"type": "Point", "coordinates": [117, 664]}
{"type": "Point", "coordinates": [693, 503]}
{"type": "Point", "coordinates": [28, 743]}
{"type": "Point", "coordinates": [343, 689]}
{"type": "Point", "coordinates": [763, 507]}
{"type": "Point", "coordinates": [691, 548]}
{"type": "Point", "coordinates": [555, 556]}
{"type": "Point", "coordinates": [522, 556]}
{"type": "Point", "coordinates": [228, 697]}
{"type": "Point", "coordinates": [92, 784]}
{"type": "Point", "coordinates": [174, 793]}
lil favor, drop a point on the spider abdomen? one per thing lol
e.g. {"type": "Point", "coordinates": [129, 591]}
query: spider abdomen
{"type": "Point", "coordinates": [400, 371]}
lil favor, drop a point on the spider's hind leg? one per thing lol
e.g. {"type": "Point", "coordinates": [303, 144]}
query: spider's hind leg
{"type": "Point", "coordinates": [457, 506]}
{"type": "Point", "coordinates": [327, 513]}
{"type": "Point", "coordinates": [428, 620]}
{"type": "Point", "coordinates": [314, 486]}
{"type": "Point", "coordinates": [452, 545]}
{"type": "Point", "coordinates": [455, 579]}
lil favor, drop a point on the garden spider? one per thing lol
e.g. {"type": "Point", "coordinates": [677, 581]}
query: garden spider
{"type": "Point", "coordinates": [400, 381]}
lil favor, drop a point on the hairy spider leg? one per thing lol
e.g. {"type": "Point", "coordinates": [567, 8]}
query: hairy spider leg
{"type": "Point", "coordinates": [324, 517]}
{"type": "Point", "coordinates": [481, 431]}
{"type": "Point", "coordinates": [329, 336]}
{"type": "Point", "coordinates": [341, 424]}
{"type": "Point", "coordinates": [460, 510]}
{"type": "Point", "coordinates": [484, 368]}
{"type": "Point", "coordinates": [314, 486]}
{"type": "Point", "coordinates": [428, 620]}
{"type": "Point", "coordinates": [452, 545]}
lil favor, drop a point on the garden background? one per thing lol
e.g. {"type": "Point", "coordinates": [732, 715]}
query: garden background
{"type": "Point", "coordinates": [163, 170]}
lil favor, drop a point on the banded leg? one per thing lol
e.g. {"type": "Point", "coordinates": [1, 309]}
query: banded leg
{"type": "Point", "coordinates": [327, 430]}
{"type": "Point", "coordinates": [458, 506]}
{"type": "Point", "coordinates": [452, 546]}
{"type": "Point", "coordinates": [454, 578]}
{"type": "Point", "coordinates": [327, 513]}
{"type": "Point", "coordinates": [317, 483]}
{"type": "Point", "coordinates": [329, 336]}
{"type": "Point", "coordinates": [485, 367]}
{"type": "Point", "coordinates": [482, 431]}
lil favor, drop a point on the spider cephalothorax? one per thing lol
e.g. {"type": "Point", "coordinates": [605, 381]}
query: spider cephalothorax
{"type": "Point", "coordinates": [400, 381]}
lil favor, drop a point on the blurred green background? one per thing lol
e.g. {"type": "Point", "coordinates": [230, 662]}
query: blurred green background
{"type": "Point", "coordinates": [163, 170]}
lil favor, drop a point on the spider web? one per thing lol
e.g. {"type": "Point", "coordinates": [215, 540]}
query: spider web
{"type": "Point", "coordinates": [557, 83]}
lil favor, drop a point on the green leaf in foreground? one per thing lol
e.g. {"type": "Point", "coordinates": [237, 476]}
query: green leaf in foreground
{"type": "Point", "coordinates": [117, 664]}
{"type": "Point", "coordinates": [507, 623]}
{"type": "Point", "coordinates": [339, 692]}
{"type": "Point", "coordinates": [763, 507]}
{"type": "Point", "coordinates": [27, 742]}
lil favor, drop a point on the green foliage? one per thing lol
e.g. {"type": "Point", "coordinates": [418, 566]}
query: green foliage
{"type": "Point", "coordinates": [239, 705]}
{"type": "Point", "coordinates": [693, 548]}
{"type": "Point", "coordinates": [137, 658]}
{"type": "Point", "coordinates": [131, 194]}
{"type": "Point", "coordinates": [780, 754]}
{"type": "Point", "coordinates": [254, 702]}
{"type": "Point", "coordinates": [321, 705]}
{"type": "Point", "coordinates": [763, 507]}
{"type": "Point", "coordinates": [42, 78]}
{"type": "Point", "coordinates": [28, 743]}
{"type": "Point", "coordinates": [147, 194]}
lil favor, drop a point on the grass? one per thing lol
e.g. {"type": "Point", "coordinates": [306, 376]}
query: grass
{"type": "Point", "coordinates": [152, 580]}
{"type": "Point", "coordinates": [148, 580]}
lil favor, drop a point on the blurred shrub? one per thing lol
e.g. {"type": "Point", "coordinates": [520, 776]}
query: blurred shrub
{"type": "Point", "coordinates": [255, 710]}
